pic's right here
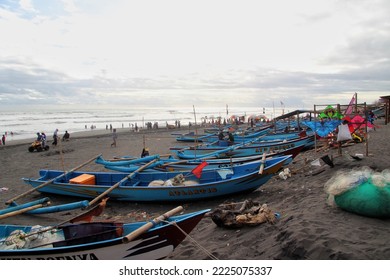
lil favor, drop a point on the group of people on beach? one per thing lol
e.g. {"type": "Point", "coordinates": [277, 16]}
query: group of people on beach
{"type": "Point", "coordinates": [41, 137]}
{"type": "Point", "coordinates": [4, 137]}
{"type": "Point", "coordinates": [230, 136]}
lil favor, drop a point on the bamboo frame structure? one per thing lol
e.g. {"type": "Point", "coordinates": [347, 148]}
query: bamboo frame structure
{"type": "Point", "coordinates": [355, 111]}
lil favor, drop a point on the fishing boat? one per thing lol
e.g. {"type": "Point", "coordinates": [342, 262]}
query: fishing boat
{"type": "Point", "coordinates": [240, 135]}
{"type": "Point", "coordinates": [217, 128]}
{"type": "Point", "coordinates": [131, 161]}
{"type": "Point", "coordinates": [192, 137]}
{"type": "Point", "coordinates": [172, 186]}
{"type": "Point", "coordinates": [173, 164]}
{"type": "Point", "coordinates": [240, 150]}
{"type": "Point", "coordinates": [245, 136]}
{"type": "Point", "coordinates": [98, 240]}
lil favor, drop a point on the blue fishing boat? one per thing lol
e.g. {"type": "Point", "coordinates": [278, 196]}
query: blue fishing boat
{"type": "Point", "coordinates": [160, 186]}
{"type": "Point", "coordinates": [129, 161]}
{"type": "Point", "coordinates": [240, 150]}
{"type": "Point", "coordinates": [98, 240]}
{"type": "Point", "coordinates": [240, 137]}
{"type": "Point", "coordinates": [217, 128]}
{"type": "Point", "coordinates": [192, 137]}
{"type": "Point", "coordinates": [173, 164]}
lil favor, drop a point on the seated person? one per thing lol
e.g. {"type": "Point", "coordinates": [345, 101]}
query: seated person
{"type": "Point", "coordinates": [231, 137]}
{"type": "Point", "coordinates": [66, 136]}
{"type": "Point", "coordinates": [145, 152]}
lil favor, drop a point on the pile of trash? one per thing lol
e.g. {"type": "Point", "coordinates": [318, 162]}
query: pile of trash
{"type": "Point", "coordinates": [250, 213]}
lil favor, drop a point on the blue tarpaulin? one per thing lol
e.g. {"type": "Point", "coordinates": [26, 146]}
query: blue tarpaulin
{"type": "Point", "coordinates": [324, 127]}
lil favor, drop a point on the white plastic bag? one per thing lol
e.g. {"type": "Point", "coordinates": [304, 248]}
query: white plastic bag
{"type": "Point", "coordinates": [344, 133]}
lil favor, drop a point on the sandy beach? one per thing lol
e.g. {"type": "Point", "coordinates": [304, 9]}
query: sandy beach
{"type": "Point", "coordinates": [308, 228]}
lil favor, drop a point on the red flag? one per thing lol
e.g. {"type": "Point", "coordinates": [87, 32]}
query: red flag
{"type": "Point", "coordinates": [197, 171]}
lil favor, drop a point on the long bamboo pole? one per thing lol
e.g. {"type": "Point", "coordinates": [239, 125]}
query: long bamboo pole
{"type": "Point", "coordinates": [20, 211]}
{"type": "Point", "coordinates": [103, 194]}
{"type": "Point", "coordinates": [134, 234]}
{"type": "Point", "coordinates": [70, 220]}
{"type": "Point", "coordinates": [14, 207]}
{"type": "Point", "coordinates": [261, 170]}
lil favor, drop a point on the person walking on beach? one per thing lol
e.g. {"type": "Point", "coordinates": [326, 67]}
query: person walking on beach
{"type": "Point", "coordinates": [114, 137]}
{"type": "Point", "coordinates": [3, 140]}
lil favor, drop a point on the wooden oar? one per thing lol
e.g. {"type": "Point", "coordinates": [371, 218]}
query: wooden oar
{"type": "Point", "coordinates": [50, 181]}
{"type": "Point", "coordinates": [165, 155]}
{"type": "Point", "coordinates": [134, 234]}
{"type": "Point", "coordinates": [262, 163]}
{"type": "Point", "coordinates": [120, 159]}
{"type": "Point", "coordinates": [125, 159]}
{"type": "Point", "coordinates": [20, 211]}
{"type": "Point", "coordinates": [103, 194]}
{"type": "Point", "coordinates": [174, 162]}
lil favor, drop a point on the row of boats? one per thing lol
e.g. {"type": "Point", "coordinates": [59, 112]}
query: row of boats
{"type": "Point", "coordinates": [215, 168]}
{"type": "Point", "coordinates": [227, 168]}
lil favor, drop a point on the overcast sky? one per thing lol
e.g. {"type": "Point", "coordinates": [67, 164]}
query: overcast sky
{"type": "Point", "coordinates": [203, 53]}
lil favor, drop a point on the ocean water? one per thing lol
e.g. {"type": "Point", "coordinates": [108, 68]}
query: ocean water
{"type": "Point", "coordinates": [25, 124]}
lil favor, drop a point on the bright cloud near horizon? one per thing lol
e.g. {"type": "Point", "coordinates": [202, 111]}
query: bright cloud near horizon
{"type": "Point", "coordinates": [172, 52]}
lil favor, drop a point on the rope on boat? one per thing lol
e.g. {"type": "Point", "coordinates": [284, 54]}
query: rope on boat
{"type": "Point", "coordinates": [207, 252]}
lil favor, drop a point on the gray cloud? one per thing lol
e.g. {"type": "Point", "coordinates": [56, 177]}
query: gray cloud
{"type": "Point", "coordinates": [38, 86]}
{"type": "Point", "coordinates": [359, 61]}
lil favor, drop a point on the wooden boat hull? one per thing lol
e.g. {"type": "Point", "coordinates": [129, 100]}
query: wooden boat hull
{"type": "Point", "coordinates": [213, 183]}
{"type": "Point", "coordinates": [156, 243]}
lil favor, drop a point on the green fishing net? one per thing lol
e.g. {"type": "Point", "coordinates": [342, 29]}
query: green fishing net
{"type": "Point", "coordinates": [361, 191]}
